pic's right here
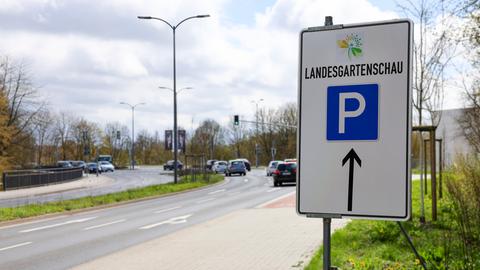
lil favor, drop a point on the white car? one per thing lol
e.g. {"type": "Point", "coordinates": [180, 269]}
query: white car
{"type": "Point", "coordinates": [272, 166]}
{"type": "Point", "coordinates": [219, 166]}
{"type": "Point", "coordinates": [106, 166]}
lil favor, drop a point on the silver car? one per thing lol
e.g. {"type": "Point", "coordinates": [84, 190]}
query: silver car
{"type": "Point", "coordinates": [219, 166]}
{"type": "Point", "coordinates": [272, 166]}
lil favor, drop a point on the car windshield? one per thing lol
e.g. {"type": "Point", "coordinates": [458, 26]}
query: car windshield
{"type": "Point", "coordinates": [237, 163]}
{"type": "Point", "coordinates": [287, 166]}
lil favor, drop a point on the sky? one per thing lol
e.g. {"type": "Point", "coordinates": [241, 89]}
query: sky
{"type": "Point", "coordinates": [88, 56]}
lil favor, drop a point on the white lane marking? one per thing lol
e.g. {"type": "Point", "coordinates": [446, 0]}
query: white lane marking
{"type": "Point", "coordinates": [31, 222]}
{"type": "Point", "coordinates": [206, 200]}
{"type": "Point", "coordinates": [216, 191]}
{"type": "Point", "coordinates": [104, 224]}
{"type": "Point", "coordinates": [274, 189]}
{"type": "Point", "coordinates": [246, 180]}
{"type": "Point", "coordinates": [58, 224]}
{"type": "Point", "coordinates": [175, 220]}
{"type": "Point", "coordinates": [168, 209]}
{"type": "Point", "coordinates": [15, 246]}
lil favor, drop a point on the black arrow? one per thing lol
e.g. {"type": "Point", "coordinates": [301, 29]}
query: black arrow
{"type": "Point", "coordinates": [352, 156]}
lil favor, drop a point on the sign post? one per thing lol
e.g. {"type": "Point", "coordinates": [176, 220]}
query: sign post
{"type": "Point", "coordinates": [354, 128]}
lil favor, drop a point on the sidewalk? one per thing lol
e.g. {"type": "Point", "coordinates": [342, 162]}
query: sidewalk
{"type": "Point", "coordinates": [87, 181]}
{"type": "Point", "coordinates": [271, 236]}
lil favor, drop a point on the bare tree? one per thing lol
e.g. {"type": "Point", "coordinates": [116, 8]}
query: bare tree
{"type": "Point", "coordinates": [433, 50]}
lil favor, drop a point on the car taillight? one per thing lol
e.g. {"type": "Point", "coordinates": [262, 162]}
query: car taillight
{"type": "Point", "coordinates": [294, 171]}
{"type": "Point", "coordinates": [276, 172]}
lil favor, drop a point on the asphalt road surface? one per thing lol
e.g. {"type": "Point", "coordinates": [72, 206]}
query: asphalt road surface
{"type": "Point", "coordinates": [122, 180]}
{"type": "Point", "coordinates": [66, 241]}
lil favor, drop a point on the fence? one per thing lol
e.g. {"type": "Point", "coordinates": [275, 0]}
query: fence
{"type": "Point", "coordinates": [32, 178]}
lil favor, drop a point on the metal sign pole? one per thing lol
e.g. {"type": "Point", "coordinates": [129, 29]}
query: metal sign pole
{"type": "Point", "coordinates": [327, 222]}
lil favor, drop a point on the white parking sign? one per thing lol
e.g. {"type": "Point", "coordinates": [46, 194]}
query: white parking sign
{"type": "Point", "coordinates": [355, 120]}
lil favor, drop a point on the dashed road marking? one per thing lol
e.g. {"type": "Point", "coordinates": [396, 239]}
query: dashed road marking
{"type": "Point", "coordinates": [273, 189]}
{"type": "Point", "coordinates": [168, 209]}
{"type": "Point", "coordinates": [105, 224]}
{"type": "Point", "coordinates": [175, 220]}
{"type": "Point", "coordinates": [206, 200]}
{"type": "Point", "coordinates": [216, 191]}
{"type": "Point", "coordinates": [15, 246]}
{"type": "Point", "coordinates": [57, 224]}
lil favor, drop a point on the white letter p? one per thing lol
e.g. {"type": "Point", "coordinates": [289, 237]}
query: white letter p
{"type": "Point", "coordinates": [342, 114]}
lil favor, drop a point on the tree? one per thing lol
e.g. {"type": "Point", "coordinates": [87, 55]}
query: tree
{"type": "Point", "coordinates": [6, 132]}
{"type": "Point", "coordinates": [470, 119]}
{"type": "Point", "coordinates": [433, 49]}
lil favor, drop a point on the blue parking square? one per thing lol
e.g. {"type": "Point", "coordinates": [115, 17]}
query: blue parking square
{"type": "Point", "coordinates": [352, 112]}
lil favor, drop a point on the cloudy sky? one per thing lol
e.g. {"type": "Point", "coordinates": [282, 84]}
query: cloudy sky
{"type": "Point", "coordinates": [88, 56]}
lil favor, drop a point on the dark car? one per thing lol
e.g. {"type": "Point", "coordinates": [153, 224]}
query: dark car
{"type": "Point", "coordinates": [92, 167]}
{"type": "Point", "coordinates": [210, 163]}
{"type": "Point", "coordinates": [64, 164]}
{"type": "Point", "coordinates": [236, 167]}
{"type": "Point", "coordinates": [170, 167]}
{"type": "Point", "coordinates": [285, 172]}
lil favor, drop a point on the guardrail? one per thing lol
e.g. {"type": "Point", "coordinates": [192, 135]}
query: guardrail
{"type": "Point", "coordinates": [31, 178]}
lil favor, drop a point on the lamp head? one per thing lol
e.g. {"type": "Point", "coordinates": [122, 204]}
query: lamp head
{"type": "Point", "coordinates": [144, 17]}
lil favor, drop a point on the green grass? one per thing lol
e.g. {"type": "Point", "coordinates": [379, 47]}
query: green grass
{"type": "Point", "coordinates": [365, 244]}
{"type": "Point", "coordinates": [25, 211]}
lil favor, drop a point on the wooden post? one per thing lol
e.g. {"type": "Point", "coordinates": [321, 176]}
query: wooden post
{"type": "Point", "coordinates": [440, 164]}
{"type": "Point", "coordinates": [425, 166]}
{"type": "Point", "coordinates": [433, 175]}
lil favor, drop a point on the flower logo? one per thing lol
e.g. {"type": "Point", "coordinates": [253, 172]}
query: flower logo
{"type": "Point", "coordinates": [353, 44]}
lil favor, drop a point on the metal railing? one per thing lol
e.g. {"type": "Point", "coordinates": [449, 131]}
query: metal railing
{"type": "Point", "coordinates": [31, 178]}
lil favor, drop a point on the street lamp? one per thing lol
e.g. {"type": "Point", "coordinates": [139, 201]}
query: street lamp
{"type": "Point", "coordinates": [256, 127]}
{"type": "Point", "coordinates": [133, 130]}
{"type": "Point", "coordinates": [174, 27]}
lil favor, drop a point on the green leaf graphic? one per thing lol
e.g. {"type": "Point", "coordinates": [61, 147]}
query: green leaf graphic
{"type": "Point", "coordinates": [356, 51]}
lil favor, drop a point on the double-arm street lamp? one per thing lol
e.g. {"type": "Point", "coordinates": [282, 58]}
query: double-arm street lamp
{"type": "Point", "coordinates": [133, 130]}
{"type": "Point", "coordinates": [174, 27]}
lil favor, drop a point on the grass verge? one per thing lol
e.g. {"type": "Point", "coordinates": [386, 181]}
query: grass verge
{"type": "Point", "coordinates": [364, 244]}
{"type": "Point", "coordinates": [25, 211]}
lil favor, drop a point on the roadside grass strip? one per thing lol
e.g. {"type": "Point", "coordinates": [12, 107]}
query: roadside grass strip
{"type": "Point", "coordinates": [12, 213]}
{"type": "Point", "coordinates": [366, 244]}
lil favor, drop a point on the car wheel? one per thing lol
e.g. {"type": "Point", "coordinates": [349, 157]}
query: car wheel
{"type": "Point", "coordinates": [275, 184]}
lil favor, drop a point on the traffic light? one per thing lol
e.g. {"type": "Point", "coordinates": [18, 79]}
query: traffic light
{"type": "Point", "coordinates": [236, 120]}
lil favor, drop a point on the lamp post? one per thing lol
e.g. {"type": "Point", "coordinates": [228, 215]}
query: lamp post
{"type": "Point", "coordinates": [133, 131]}
{"type": "Point", "coordinates": [174, 27]}
{"type": "Point", "coordinates": [256, 127]}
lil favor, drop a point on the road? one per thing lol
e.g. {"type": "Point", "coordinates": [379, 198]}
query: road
{"type": "Point", "coordinates": [120, 180]}
{"type": "Point", "coordinates": [66, 241]}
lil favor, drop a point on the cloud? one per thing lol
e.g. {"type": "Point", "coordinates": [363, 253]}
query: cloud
{"type": "Point", "coordinates": [89, 56]}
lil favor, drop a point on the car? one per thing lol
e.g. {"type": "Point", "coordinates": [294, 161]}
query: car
{"type": "Point", "coordinates": [79, 164]}
{"type": "Point", "coordinates": [236, 167]}
{"type": "Point", "coordinates": [64, 164]}
{"type": "Point", "coordinates": [92, 167]}
{"type": "Point", "coordinates": [210, 164]}
{"type": "Point", "coordinates": [220, 166]}
{"type": "Point", "coordinates": [169, 165]}
{"type": "Point", "coordinates": [106, 166]}
{"type": "Point", "coordinates": [285, 172]}
{"type": "Point", "coordinates": [247, 163]}
{"type": "Point", "coordinates": [272, 166]}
